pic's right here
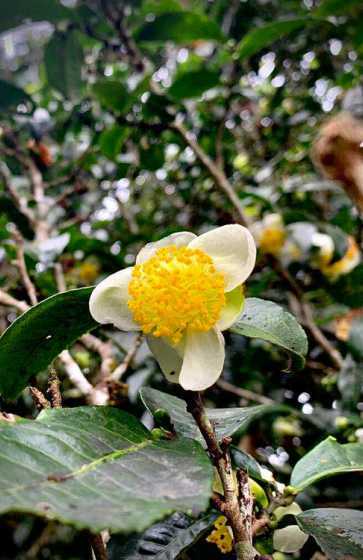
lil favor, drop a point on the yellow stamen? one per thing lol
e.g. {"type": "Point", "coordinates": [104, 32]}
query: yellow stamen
{"type": "Point", "coordinates": [176, 289]}
{"type": "Point", "coordinates": [221, 535]}
{"type": "Point", "coordinates": [272, 240]}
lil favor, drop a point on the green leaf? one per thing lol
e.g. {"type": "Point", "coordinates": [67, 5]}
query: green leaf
{"type": "Point", "coordinates": [245, 461]}
{"type": "Point", "coordinates": [14, 13]}
{"type": "Point", "coordinates": [162, 541]}
{"type": "Point", "coordinates": [337, 531]}
{"type": "Point", "coordinates": [63, 60]}
{"type": "Point", "coordinates": [226, 421]}
{"type": "Point", "coordinates": [112, 139]}
{"type": "Point", "coordinates": [99, 468]}
{"type": "Point", "coordinates": [11, 95]}
{"type": "Point", "coordinates": [112, 94]}
{"type": "Point", "coordinates": [268, 321]}
{"type": "Point", "coordinates": [193, 84]}
{"type": "Point", "coordinates": [179, 27]}
{"type": "Point", "coordinates": [34, 339]}
{"type": "Point", "coordinates": [327, 459]}
{"type": "Point", "coordinates": [335, 7]}
{"type": "Point", "coordinates": [264, 36]}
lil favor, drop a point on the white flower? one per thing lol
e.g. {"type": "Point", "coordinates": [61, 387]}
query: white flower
{"type": "Point", "coordinates": [183, 291]}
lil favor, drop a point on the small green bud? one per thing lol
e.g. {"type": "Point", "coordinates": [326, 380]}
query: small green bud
{"type": "Point", "coordinates": [341, 422]}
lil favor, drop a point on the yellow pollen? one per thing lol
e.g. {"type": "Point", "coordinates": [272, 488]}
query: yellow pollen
{"type": "Point", "coordinates": [272, 240]}
{"type": "Point", "coordinates": [175, 290]}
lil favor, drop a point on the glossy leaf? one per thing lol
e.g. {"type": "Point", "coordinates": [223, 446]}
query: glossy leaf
{"type": "Point", "coordinates": [264, 36]}
{"type": "Point", "coordinates": [14, 13]}
{"type": "Point", "coordinates": [244, 461]}
{"type": "Point", "coordinates": [179, 27]}
{"type": "Point", "coordinates": [268, 321]}
{"type": "Point", "coordinates": [329, 458]}
{"type": "Point", "coordinates": [112, 139]}
{"type": "Point", "coordinates": [193, 84]}
{"type": "Point", "coordinates": [34, 339]}
{"type": "Point", "coordinates": [11, 96]}
{"type": "Point", "coordinates": [226, 421]}
{"type": "Point", "coordinates": [337, 531]}
{"type": "Point", "coordinates": [164, 540]}
{"type": "Point", "coordinates": [99, 468]}
{"type": "Point", "coordinates": [112, 94]}
{"type": "Point", "coordinates": [63, 60]}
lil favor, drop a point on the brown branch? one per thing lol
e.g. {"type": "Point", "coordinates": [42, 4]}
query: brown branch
{"type": "Point", "coordinates": [39, 399]}
{"type": "Point", "coordinates": [243, 393]}
{"type": "Point", "coordinates": [218, 174]}
{"type": "Point", "coordinates": [239, 522]}
{"type": "Point", "coordinates": [54, 389]}
{"type": "Point", "coordinates": [20, 263]}
{"type": "Point", "coordinates": [6, 299]}
{"type": "Point", "coordinates": [98, 547]}
{"type": "Point", "coordinates": [123, 367]}
{"type": "Point", "coordinates": [307, 315]}
{"type": "Point", "coordinates": [19, 201]}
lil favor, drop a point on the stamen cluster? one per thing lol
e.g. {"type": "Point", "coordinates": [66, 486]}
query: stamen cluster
{"type": "Point", "coordinates": [177, 289]}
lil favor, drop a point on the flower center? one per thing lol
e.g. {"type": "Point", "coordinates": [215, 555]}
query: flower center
{"type": "Point", "coordinates": [176, 289]}
{"type": "Point", "coordinates": [272, 240]}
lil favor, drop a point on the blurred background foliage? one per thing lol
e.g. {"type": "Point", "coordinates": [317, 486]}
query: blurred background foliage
{"type": "Point", "coordinates": [92, 94]}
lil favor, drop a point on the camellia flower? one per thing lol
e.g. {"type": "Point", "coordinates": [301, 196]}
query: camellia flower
{"type": "Point", "coordinates": [270, 234]}
{"type": "Point", "coordinates": [183, 291]}
{"type": "Point", "coordinates": [333, 270]}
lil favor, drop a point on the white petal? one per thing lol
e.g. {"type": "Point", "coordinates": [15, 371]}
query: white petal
{"type": "Point", "coordinates": [168, 358]}
{"type": "Point", "coordinates": [108, 301]}
{"type": "Point", "coordinates": [179, 239]}
{"type": "Point", "coordinates": [233, 251]}
{"type": "Point", "coordinates": [203, 360]}
{"type": "Point", "coordinates": [234, 304]}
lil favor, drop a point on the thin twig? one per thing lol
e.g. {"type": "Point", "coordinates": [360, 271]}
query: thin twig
{"type": "Point", "coordinates": [239, 522]}
{"type": "Point", "coordinates": [19, 201]}
{"type": "Point", "coordinates": [243, 393]}
{"type": "Point", "coordinates": [39, 399]}
{"type": "Point", "coordinates": [6, 299]}
{"type": "Point", "coordinates": [125, 364]}
{"type": "Point", "coordinates": [54, 389]}
{"type": "Point", "coordinates": [218, 174]}
{"type": "Point", "coordinates": [74, 373]}
{"type": "Point", "coordinates": [59, 277]}
{"type": "Point", "coordinates": [20, 263]}
{"type": "Point", "coordinates": [98, 547]}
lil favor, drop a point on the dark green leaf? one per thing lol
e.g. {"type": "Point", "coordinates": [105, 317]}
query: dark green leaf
{"type": "Point", "coordinates": [329, 458]}
{"type": "Point", "coordinates": [337, 531]}
{"type": "Point", "coordinates": [179, 27]}
{"type": "Point", "coordinates": [245, 461]}
{"type": "Point", "coordinates": [112, 94]}
{"type": "Point", "coordinates": [32, 341]}
{"type": "Point", "coordinates": [268, 321]}
{"type": "Point", "coordinates": [11, 95]}
{"type": "Point", "coordinates": [63, 60]}
{"type": "Point", "coordinates": [162, 541]}
{"type": "Point", "coordinates": [112, 139]}
{"type": "Point", "coordinates": [193, 84]}
{"type": "Point", "coordinates": [264, 36]}
{"type": "Point", "coordinates": [99, 468]}
{"type": "Point", "coordinates": [226, 421]}
{"type": "Point", "coordinates": [152, 157]}
{"type": "Point", "coordinates": [335, 7]}
{"type": "Point", "coordinates": [14, 13]}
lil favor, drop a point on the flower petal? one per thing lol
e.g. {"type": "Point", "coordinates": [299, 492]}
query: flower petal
{"type": "Point", "coordinates": [233, 251]}
{"type": "Point", "coordinates": [108, 301]}
{"type": "Point", "coordinates": [169, 360]}
{"type": "Point", "coordinates": [203, 360]}
{"type": "Point", "coordinates": [179, 239]}
{"type": "Point", "coordinates": [234, 304]}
